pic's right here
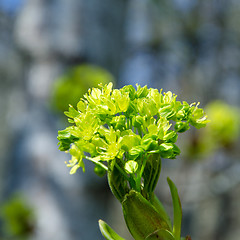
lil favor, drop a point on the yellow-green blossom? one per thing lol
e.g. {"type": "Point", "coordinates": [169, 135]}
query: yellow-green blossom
{"type": "Point", "coordinates": [121, 128]}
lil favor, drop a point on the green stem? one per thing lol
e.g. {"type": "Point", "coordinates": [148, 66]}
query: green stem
{"type": "Point", "coordinates": [135, 130]}
{"type": "Point", "coordinates": [97, 162]}
{"type": "Point", "coordinates": [143, 164]}
{"type": "Point", "coordinates": [127, 124]}
{"type": "Point", "coordinates": [144, 128]}
{"type": "Point", "coordinates": [140, 131]}
{"type": "Point", "coordinates": [122, 172]}
{"type": "Point", "coordinates": [132, 182]}
{"type": "Point", "coordinates": [139, 175]}
{"type": "Point", "coordinates": [131, 179]}
{"type": "Point", "coordinates": [130, 123]}
{"type": "Point", "coordinates": [138, 184]}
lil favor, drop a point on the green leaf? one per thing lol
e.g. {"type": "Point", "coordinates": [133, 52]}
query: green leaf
{"type": "Point", "coordinates": [176, 150]}
{"type": "Point", "coordinates": [117, 181]}
{"type": "Point", "coordinates": [72, 113]}
{"type": "Point", "coordinates": [160, 208]}
{"type": "Point", "coordinates": [81, 106]}
{"type": "Point", "coordinates": [151, 174]}
{"type": "Point", "coordinates": [170, 136]}
{"type": "Point", "coordinates": [65, 138]}
{"type": "Point", "coordinates": [161, 234]}
{"type": "Point", "coordinates": [177, 210]}
{"type": "Point", "coordinates": [166, 150]}
{"type": "Point", "coordinates": [141, 217]}
{"type": "Point", "coordinates": [108, 232]}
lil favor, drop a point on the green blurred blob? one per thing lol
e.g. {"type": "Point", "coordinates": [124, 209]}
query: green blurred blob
{"type": "Point", "coordinates": [224, 127]}
{"type": "Point", "coordinates": [17, 218]}
{"type": "Point", "coordinates": [70, 87]}
{"type": "Point", "coordinates": [223, 131]}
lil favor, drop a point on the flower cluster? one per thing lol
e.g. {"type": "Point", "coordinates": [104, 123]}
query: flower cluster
{"type": "Point", "coordinates": [125, 132]}
{"type": "Point", "coordinates": [123, 128]}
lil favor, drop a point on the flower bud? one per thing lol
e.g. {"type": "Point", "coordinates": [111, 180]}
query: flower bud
{"type": "Point", "coordinates": [141, 217]}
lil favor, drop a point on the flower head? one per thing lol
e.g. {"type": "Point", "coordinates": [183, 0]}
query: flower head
{"type": "Point", "coordinates": [123, 128]}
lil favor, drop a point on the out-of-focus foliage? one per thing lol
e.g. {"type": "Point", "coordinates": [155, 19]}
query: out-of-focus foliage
{"type": "Point", "coordinates": [70, 87]}
{"type": "Point", "coordinates": [17, 219]}
{"type": "Point", "coordinates": [224, 128]}
{"type": "Point", "coordinates": [223, 131]}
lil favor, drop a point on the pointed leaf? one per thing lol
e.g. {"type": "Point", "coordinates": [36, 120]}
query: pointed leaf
{"type": "Point", "coordinates": [141, 217]}
{"type": "Point", "coordinates": [151, 173]}
{"type": "Point", "coordinates": [117, 182]}
{"type": "Point", "coordinates": [177, 210]}
{"type": "Point", "coordinates": [108, 232]}
{"type": "Point", "coordinates": [160, 208]}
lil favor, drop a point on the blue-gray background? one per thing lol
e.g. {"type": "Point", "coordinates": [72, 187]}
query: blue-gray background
{"type": "Point", "coordinates": [191, 47]}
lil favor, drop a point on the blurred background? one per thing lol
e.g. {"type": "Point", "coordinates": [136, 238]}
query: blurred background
{"type": "Point", "coordinates": [52, 51]}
